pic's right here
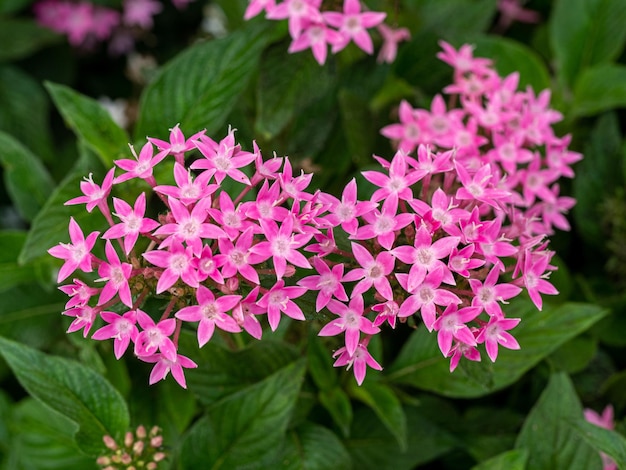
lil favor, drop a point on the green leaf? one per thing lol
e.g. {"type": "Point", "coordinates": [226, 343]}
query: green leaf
{"type": "Point", "coordinates": [20, 38]}
{"type": "Point", "coordinates": [71, 389]}
{"type": "Point", "coordinates": [454, 20]}
{"type": "Point", "coordinates": [287, 83]}
{"type": "Point", "coordinates": [338, 404]}
{"type": "Point", "coordinates": [511, 460]}
{"type": "Point", "coordinates": [511, 56]}
{"type": "Point", "coordinates": [26, 179]}
{"type": "Point", "coordinates": [222, 372]}
{"type": "Point", "coordinates": [245, 429]}
{"type": "Point", "coordinates": [91, 122]}
{"type": "Point", "coordinates": [9, 6]}
{"type": "Point", "coordinates": [584, 33]}
{"type": "Point", "coordinates": [603, 440]}
{"type": "Point", "coordinates": [199, 87]}
{"type": "Point", "coordinates": [313, 447]}
{"type": "Point", "coordinates": [50, 226]}
{"type": "Point", "coordinates": [12, 274]}
{"type": "Point", "coordinates": [599, 89]}
{"type": "Point", "coordinates": [24, 110]}
{"type": "Point", "coordinates": [547, 433]}
{"type": "Point", "coordinates": [382, 399]}
{"type": "Point", "coordinates": [373, 448]}
{"type": "Point", "coordinates": [43, 439]}
{"type": "Point", "coordinates": [320, 363]}
{"type": "Point", "coordinates": [358, 126]}
{"type": "Point", "coordinates": [575, 355]}
{"type": "Point", "coordinates": [421, 364]}
{"type": "Point", "coordinates": [598, 176]}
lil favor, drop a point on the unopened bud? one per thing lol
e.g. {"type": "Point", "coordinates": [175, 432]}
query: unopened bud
{"type": "Point", "coordinates": [158, 456]}
{"type": "Point", "coordinates": [154, 430]}
{"type": "Point", "coordinates": [109, 442]}
{"type": "Point", "coordinates": [138, 447]}
{"type": "Point", "coordinates": [156, 441]}
{"type": "Point", "coordinates": [290, 270]}
{"type": "Point", "coordinates": [103, 460]}
{"type": "Point", "coordinates": [128, 439]}
{"type": "Point", "coordinates": [151, 466]}
{"type": "Point", "coordinates": [126, 459]}
{"type": "Point", "coordinates": [117, 458]}
{"type": "Point", "coordinates": [141, 432]}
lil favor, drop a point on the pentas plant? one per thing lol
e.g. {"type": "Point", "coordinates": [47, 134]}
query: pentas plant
{"type": "Point", "coordinates": [313, 25]}
{"type": "Point", "coordinates": [449, 235]}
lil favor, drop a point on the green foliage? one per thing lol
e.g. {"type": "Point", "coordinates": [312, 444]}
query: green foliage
{"type": "Point", "coordinates": [600, 88]}
{"type": "Point", "coordinates": [71, 389]}
{"type": "Point", "coordinates": [421, 365]}
{"type": "Point", "coordinates": [20, 38]}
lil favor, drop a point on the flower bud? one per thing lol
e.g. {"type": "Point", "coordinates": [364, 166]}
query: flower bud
{"type": "Point", "coordinates": [109, 442]}
{"type": "Point", "coordinates": [156, 441]}
{"type": "Point", "coordinates": [141, 432]}
{"type": "Point", "coordinates": [290, 270]}
{"type": "Point", "coordinates": [158, 456]}
{"type": "Point", "coordinates": [128, 439]}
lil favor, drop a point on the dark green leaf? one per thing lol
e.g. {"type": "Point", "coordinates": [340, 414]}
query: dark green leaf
{"type": "Point", "coordinates": [574, 355]}
{"type": "Point", "coordinates": [20, 37]}
{"type": "Point", "coordinates": [8, 6]}
{"type": "Point", "coordinates": [320, 363]}
{"type": "Point", "coordinates": [373, 448]}
{"type": "Point", "coordinates": [313, 447]}
{"type": "Point", "coordinates": [599, 89]}
{"type": "Point", "coordinates": [26, 179]}
{"type": "Point", "coordinates": [247, 428]}
{"type": "Point", "coordinates": [358, 127]}
{"type": "Point", "coordinates": [598, 175]}
{"type": "Point", "coordinates": [584, 33]}
{"type": "Point", "coordinates": [547, 433]}
{"type": "Point", "coordinates": [222, 372]}
{"type": "Point", "coordinates": [421, 365]}
{"type": "Point", "coordinates": [338, 404]}
{"type": "Point", "coordinates": [287, 83]}
{"type": "Point", "coordinates": [511, 460]}
{"type": "Point", "coordinates": [24, 110]}
{"type": "Point", "coordinates": [51, 224]}
{"type": "Point", "coordinates": [603, 440]}
{"type": "Point", "coordinates": [12, 274]}
{"type": "Point", "coordinates": [92, 123]}
{"type": "Point", "coordinates": [199, 87]}
{"type": "Point", "coordinates": [382, 399]}
{"type": "Point", "coordinates": [43, 439]}
{"type": "Point", "coordinates": [71, 389]}
{"type": "Point", "coordinates": [510, 56]}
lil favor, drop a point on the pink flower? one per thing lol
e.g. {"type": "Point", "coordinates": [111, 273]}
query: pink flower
{"type": "Point", "coordinates": [210, 312]}
{"type": "Point", "coordinates": [239, 257]}
{"type": "Point", "coordinates": [155, 336]}
{"type": "Point", "coordinates": [373, 272]}
{"type": "Point", "coordinates": [463, 60]}
{"type": "Point", "coordinates": [495, 332]}
{"type": "Point", "coordinates": [408, 132]}
{"type": "Point", "coordinates": [535, 276]}
{"type": "Point", "coordinates": [79, 293]}
{"type": "Point", "coordinates": [386, 311]}
{"type": "Point", "coordinates": [94, 195]}
{"type": "Point", "coordinates": [189, 190]}
{"type": "Point", "coordinates": [353, 25]}
{"type": "Point", "coordinates": [140, 12]}
{"type": "Point", "coordinates": [317, 37]}
{"type": "Point", "coordinates": [257, 6]}
{"type": "Point", "coordinates": [346, 211]}
{"type": "Point", "coordinates": [245, 313]}
{"type": "Point", "coordinates": [281, 245]}
{"type": "Point", "coordinates": [178, 264]}
{"type": "Point", "coordinates": [360, 359]}
{"type": "Point", "coordinates": [328, 282]}
{"type": "Point", "coordinates": [351, 322]}
{"type": "Point", "coordinates": [76, 254]}
{"type": "Point", "coordinates": [383, 224]}
{"type": "Point", "coordinates": [452, 325]}
{"type": "Point", "coordinates": [298, 12]}
{"type": "Point", "coordinates": [604, 420]}
{"type": "Point", "coordinates": [142, 166]}
{"type": "Point", "coordinates": [84, 316]}
{"type": "Point", "coordinates": [133, 222]}
{"type": "Point", "coordinates": [122, 329]}
{"type": "Point", "coordinates": [398, 182]}
{"type": "Point", "coordinates": [279, 299]}
{"type": "Point", "coordinates": [163, 366]}
{"type": "Point", "coordinates": [178, 145]}
{"type": "Point", "coordinates": [116, 274]}
{"type": "Point", "coordinates": [391, 38]}
{"type": "Point", "coordinates": [488, 294]}
{"type": "Point", "coordinates": [462, 350]}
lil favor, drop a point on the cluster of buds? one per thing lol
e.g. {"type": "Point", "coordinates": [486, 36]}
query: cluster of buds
{"type": "Point", "coordinates": [448, 236]}
{"type": "Point", "coordinates": [312, 28]}
{"type": "Point", "coordinates": [141, 450]}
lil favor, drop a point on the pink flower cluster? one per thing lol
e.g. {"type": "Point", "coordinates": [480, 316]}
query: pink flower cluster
{"type": "Point", "coordinates": [448, 236]}
{"type": "Point", "coordinates": [85, 24]}
{"type": "Point", "coordinates": [606, 421]}
{"type": "Point", "coordinates": [313, 29]}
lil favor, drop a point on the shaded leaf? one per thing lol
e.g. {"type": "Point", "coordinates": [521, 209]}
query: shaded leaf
{"type": "Point", "coordinates": [547, 434]}
{"type": "Point", "coordinates": [247, 428]}
{"type": "Point", "coordinates": [584, 33]}
{"type": "Point", "coordinates": [91, 122]}
{"type": "Point", "coordinates": [20, 37]}
{"type": "Point", "coordinates": [313, 447]}
{"type": "Point", "coordinates": [71, 389]}
{"type": "Point", "coordinates": [336, 401]}
{"type": "Point", "coordinates": [199, 87]}
{"type": "Point", "coordinates": [599, 89]}
{"type": "Point", "coordinates": [511, 460]}
{"type": "Point", "coordinates": [12, 274]}
{"type": "Point", "coordinates": [26, 179]}
{"type": "Point", "coordinates": [421, 365]}
{"type": "Point", "coordinates": [603, 440]}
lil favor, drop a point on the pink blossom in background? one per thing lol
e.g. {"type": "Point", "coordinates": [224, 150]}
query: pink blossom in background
{"type": "Point", "coordinates": [604, 420]}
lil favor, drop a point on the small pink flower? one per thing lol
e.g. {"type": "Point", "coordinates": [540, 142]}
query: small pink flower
{"type": "Point", "coordinates": [353, 25]}
{"type": "Point", "coordinates": [79, 292]}
{"type": "Point", "coordinates": [141, 12]}
{"type": "Point", "coordinates": [328, 282]}
{"type": "Point", "coordinates": [391, 38]}
{"type": "Point", "coordinates": [132, 222]}
{"type": "Point", "coordinates": [245, 313]}
{"type": "Point", "coordinates": [257, 6]}
{"type": "Point", "coordinates": [122, 329]}
{"type": "Point", "coordinates": [373, 272]}
{"type": "Point", "coordinates": [604, 420]}
{"type": "Point", "coordinates": [189, 190]}
{"type": "Point", "coordinates": [155, 336]}
{"type": "Point", "coordinates": [178, 264]}
{"type": "Point", "coordinates": [487, 295]}
{"type": "Point", "coordinates": [116, 274]}
{"type": "Point", "coordinates": [94, 195]}
{"type": "Point", "coordinates": [359, 360]}
{"type": "Point", "coordinates": [495, 332]}
{"type": "Point", "coordinates": [84, 316]}
{"type": "Point", "coordinates": [76, 254]}
{"type": "Point", "coordinates": [452, 325]}
{"type": "Point", "coordinates": [178, 145]}
{"type": "Point", "coordinates": [317, 37]}
{"type": "Point", "coordinates": [141, 166]}
{"type": "Point", "coordinates": [279, 299]}
{"type": "Point", "coordinates": [163, 366]}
